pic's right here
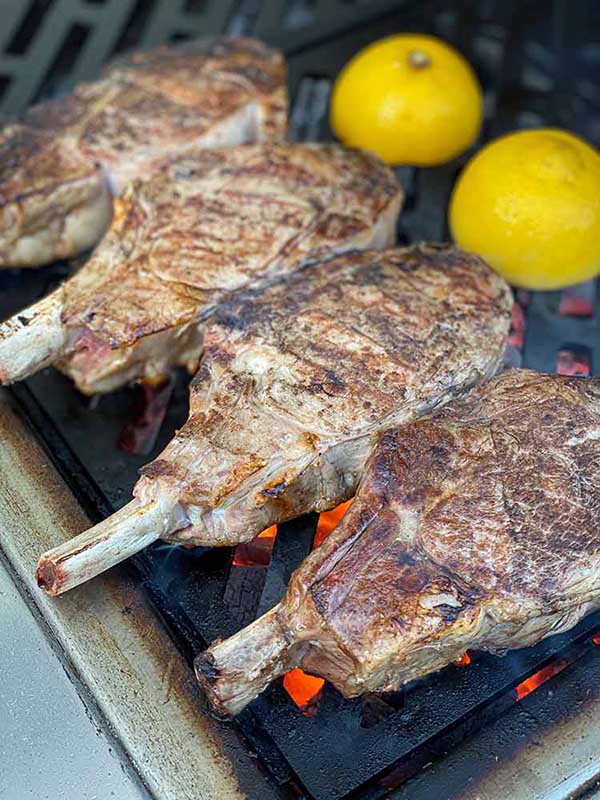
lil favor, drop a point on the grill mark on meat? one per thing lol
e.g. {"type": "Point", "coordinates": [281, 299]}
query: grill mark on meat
{"type": "Point", "coordinates": [263, 318]}
{"type": "Point", "coordinates": [527, 501]}
{"type": "Point", "coordinates": [221, 213]}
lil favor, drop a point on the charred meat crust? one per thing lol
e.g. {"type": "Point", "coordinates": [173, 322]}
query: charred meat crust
{"type": "Point", "coordinates": [250, 59]}
{"type": "Point", "coordinates": [282, 416]}
{"type": "Point", "coordinates": [32, 162]}
{"type": "Point", "coordinates": [205, 225]}
{"type": "Point", "coordinates": [206, 81]}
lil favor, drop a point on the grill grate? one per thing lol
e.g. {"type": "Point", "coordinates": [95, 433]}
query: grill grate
{"type": "Point", "coordinates": [535, 64]}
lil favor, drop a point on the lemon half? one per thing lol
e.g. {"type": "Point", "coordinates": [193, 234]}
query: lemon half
{"type": "Point", "coordinates": [529, 204]}
{"type": "Point", "coordinates": [411, 99]}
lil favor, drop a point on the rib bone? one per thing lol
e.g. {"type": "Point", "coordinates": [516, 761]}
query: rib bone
{"type": "Point", "coordinates": [32, 339]}
{"type": "Point", "coordinates": [120, 536]}
{"type": "Point", "coordinates": [233, 672]}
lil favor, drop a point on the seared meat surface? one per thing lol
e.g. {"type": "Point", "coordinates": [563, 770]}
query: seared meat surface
{"type": "Point", "coordinates": [61, 163]}
{"type": "Point", "coordinates": [294, 386]}
{"type": "Point", "coordinates": [476, 528]}
{"type": "Point", "coordinates": [203, 227]}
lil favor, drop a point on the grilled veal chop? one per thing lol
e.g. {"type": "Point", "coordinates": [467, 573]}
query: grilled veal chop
{"type": "Point", "coordinates": [294, 386]}
{"type": "Point", "coordinates": [477, 528]}
{"type": "Point", "coordinates": [60, 165]}
{"type": "Point", "coordinates": [201, 228]}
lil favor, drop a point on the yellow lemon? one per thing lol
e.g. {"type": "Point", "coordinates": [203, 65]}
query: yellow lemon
{"type": "Point", "coordinates": [529, 204]}
{"type": "Point", "coordinates": [411, 99]}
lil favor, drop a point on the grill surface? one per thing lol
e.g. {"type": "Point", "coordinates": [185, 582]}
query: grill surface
{"type": "Point", "coordinates": [535, 67]}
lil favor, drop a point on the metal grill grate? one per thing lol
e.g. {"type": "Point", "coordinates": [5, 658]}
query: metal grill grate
{"type": "Point", "coordinates": [49, 45]}
{"type": "Point", "coordinates": [536, 63]}
{"type": "Point", "coordinates": [46, 45]}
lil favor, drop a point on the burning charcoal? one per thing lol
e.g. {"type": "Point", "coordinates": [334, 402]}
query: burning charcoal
{"type": "Point", "coordinates": [578, 301]}
{"type": "Point", "coordinates": [305, 690]}
{"type": "Point", "coordinates": [516, 336]}
{"type": "Point", "coordinates": [573, 361]}
{"type": "Point", "coordinates": [256, 553]}
{"type": "Point", "coordinates": [535, 681]}
{"type": "Point", "coordinates": [139, 435]}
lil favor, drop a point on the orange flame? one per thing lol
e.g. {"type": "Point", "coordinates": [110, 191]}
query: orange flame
{"type": "Point", "coordinates": [463, 660]}
{"type": "Point", "coordinates": [569, 362]}
{"type": "Point", "coordinates": [535, 681]}
{"type": "Point", "coordinates": [516, 337]}
{"type": "Point", "coordinates": [256, 553]}
{"type": "Point", "coordinates": [328, 520]}
{"type": "Point", "coordinates": [302, 688]}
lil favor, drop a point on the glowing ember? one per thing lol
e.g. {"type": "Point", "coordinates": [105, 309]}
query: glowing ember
{"type": "Point", "coordinates": [516, 337]}
{"type": "Point", "coordinates": [573, 306]}
{"type": "Point", "coordinates": [256, 553]}
{"type": "Point", "coordinates": [531, 684]}
{"type": "Point", "coordinates": [569, 362]}
{"type": "Point", "coordinates": [328, 520]}
{"type": "Point", "coordinates": [463, 660]}
{"type": "Point", "coordinates": [596, 638]}
{"type": "Point", "coordinates": [304, 690]}
{"type": "Point", "coordinates": [147, 415]}
{"type": "Point", "coordinates": [578, 301]}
